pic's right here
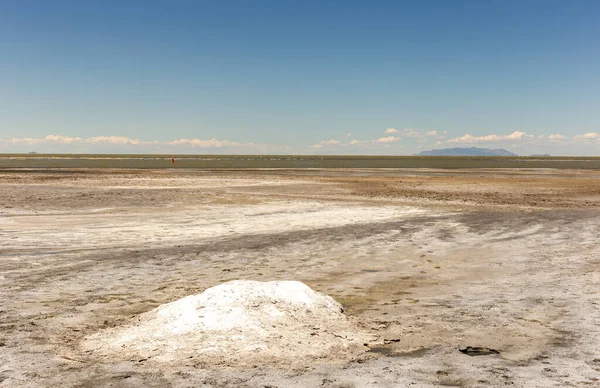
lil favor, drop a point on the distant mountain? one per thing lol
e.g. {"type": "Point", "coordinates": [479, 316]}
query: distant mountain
{"type": "Point", "coordinates": [473, 151]}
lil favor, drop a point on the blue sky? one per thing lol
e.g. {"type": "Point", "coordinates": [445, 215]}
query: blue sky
{"type": "Point", "coordinates": [341, 77]}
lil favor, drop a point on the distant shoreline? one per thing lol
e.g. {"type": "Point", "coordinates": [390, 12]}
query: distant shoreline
{"type": "Point", "coordinates": [162, 161]}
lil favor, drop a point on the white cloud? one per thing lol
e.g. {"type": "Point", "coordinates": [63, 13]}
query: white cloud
{"type": "Point", "coordinates": [57, 139]}
{"type": "Point", "coordinates": [198, 143]}
{"type": "Point", "coordinates": [389, 139]}
{"type": "Point", "coordinates": [407, 132]}
{"type": "Point", "coordinates": [325, 143]}
{"type": "Point", "coordinates": [556, 137]}
{"type": "Point", "coordinates": [468, 138]}
{"type": "Point", "coordinates": [113, 140]}
{"type": "Point", "coordinates": [349, 134]}
{"type": "Point", "coordinates": [331, 142]}
{"type": "Point", "coordinates": [587, 136]}
{"type": "Point", "coordinates": [50, 139]}
{"type": "Point", "coordinates": [412, 132]}
{"type": "Point", "coordinates": [50, 142]}
{"type": "Point", "coordinates": [516, 135]}
{"type": "Point", "coordinates": [62, 139]}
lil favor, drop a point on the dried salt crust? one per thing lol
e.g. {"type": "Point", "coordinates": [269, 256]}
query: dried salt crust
{"type": "Point", "coordinates": [238, 322]}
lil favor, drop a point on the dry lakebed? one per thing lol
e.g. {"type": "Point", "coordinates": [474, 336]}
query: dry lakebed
{"type": "Point", "coordinates": [299, 277]}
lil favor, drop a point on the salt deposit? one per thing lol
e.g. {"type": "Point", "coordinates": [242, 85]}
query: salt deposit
{"type": "Point", "coordinates": [238, 322]}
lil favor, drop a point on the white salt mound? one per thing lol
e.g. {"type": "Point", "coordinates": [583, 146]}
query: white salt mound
{"type": "Point", "coordinates": [238, 322]}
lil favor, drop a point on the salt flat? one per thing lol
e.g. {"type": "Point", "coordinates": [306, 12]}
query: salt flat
{"type": "Point", "coordinates": [425, 262]}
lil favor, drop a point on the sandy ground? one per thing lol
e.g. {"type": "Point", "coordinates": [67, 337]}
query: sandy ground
{"type": "Point", "coordinates": [427, 261]}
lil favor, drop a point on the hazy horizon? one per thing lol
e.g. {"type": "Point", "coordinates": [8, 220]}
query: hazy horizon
{"type": "Point", "coordinates": [309, 155]}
